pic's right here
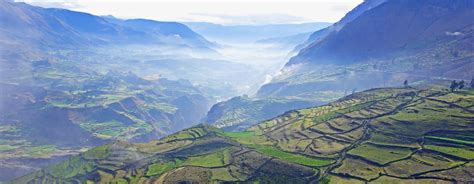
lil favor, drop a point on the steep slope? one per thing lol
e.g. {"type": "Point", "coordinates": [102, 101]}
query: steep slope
{"type": "Point", "coordinates": [319, 35]}
{"type": "Point", "coordinates": [395, 28]}
{"type": "Point", "coordinates": [54, 27]}
{"type": "Point", "coordinates": [239, 113]}
{"type": "Point", "coordinates": [169, 32]}
{"type": "Point", "coordinates": [380, 136]}
{"type": "Point", "coordinates": [27, 26]}
{"type": "Point", "coordinates": [378, 44]}
{"type": "Point", "coordinates": [395, 41]}
{"type": "Point", "coordinates": [295, 39]}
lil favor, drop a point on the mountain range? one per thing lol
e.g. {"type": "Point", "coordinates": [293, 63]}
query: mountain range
{"type": "Point", "coordinates": [252, 33]}
{"type": "Point", "coordinates": [60, 27]}
{"type": "Point", "coordinates": [64, 88]}
{"type": "Point", "coordinates": [364, 100]}
{"type": "Point", "coordinates": [378, 44]}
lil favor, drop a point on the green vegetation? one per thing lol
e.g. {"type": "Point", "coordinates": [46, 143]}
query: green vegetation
{"type": "Point", "coordinates": [457, 141]}
{"type": "Point", "coordinates": [240, 135]}
{"type": "Point", "coordinates": [106, 129]}
{"type": "Point", "coordinates": [365, 138]}
{"type": "Point", "coordinates": [99, 152]}
{"type": "Point", "coordinates": [215, 159]}
{"type": "Point", "coordinates": [71, 167]}
{"type": "Point", "coordinates": [168, 108]}
{"type": "Point", "coordinates": [359, 168]}
{"type": "Point", "coordinates": [160, 168]}
{"type": "Point", "coordinates": [333, 114]}
{"type": "Point", "coordinates": [190, 133]}
{"type": "Point", "coordinates": [7, 147]}
{"type": "Point", "coordinates": [248, 138]}
{"type": "Point", "coordinates": [380, 154]}
{"type": "Point", "coordinates": [292, 157]}
{"type": "Point", "coordinates": [466, 153]}
{"type": "Point", "coordinates": [41, 151]}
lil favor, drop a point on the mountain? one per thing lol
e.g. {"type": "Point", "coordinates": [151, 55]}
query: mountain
{"type": "Point", "coordinates": [52, 27]}
{"type": "Point", "coordinates": [393, 29]}
{"type": "Point", "coordinates": [251, 33]}
{"type": "Point", "coordinates": [378, 44]}
{"type": "Point", "coordinates": [386, 135]}
{"type": "Point", "coordinates": [171, 32]}
{"type": "Point", "coordinates": [351, 15]}
{"type": "Point", "coordinates": [71, 81]}
{"type": "Point", "coordinates": [286, 40]}
{"type": "Point", "coordinates": [418, 41]}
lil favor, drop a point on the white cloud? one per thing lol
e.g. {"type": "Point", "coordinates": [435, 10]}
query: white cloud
{"type": "Point", "coordinates": [454, 33]}
{"type": "Point", "coordinates": [248, 19]}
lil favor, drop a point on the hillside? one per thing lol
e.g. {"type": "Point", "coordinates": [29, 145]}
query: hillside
{"type": "Point", "coordinates": [408, 27]}
{"type": "Point", "coordinates": [63, 113]}
{"type": "Point", "coordinates": [319, 35]}
{"type": "Point", "coordinates": [72, 80]}
{"type": "Point", "coordinates": [378, 136]}
{"type": "Point", "coordinates": [377, 44]}
{"type": "Point", "coordinates": [53, 27]}
{"type": "Point", "coordinates": [239, 113]}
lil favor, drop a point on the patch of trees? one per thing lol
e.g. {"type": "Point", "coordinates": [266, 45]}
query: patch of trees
{"type": "Point", "coordinates": [472, 83]}
{"type": "Point", "coordinates": [457, 85]}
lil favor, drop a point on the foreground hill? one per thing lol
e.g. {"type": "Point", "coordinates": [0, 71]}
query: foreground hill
{"type": "Point", "coordinates": [380, 135]}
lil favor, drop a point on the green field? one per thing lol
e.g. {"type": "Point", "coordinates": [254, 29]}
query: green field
{"type": "Point", "coordinates": [159, 168]}
{"type": "Point", "coordinates": [380, 154]}
{"type": "Point", "coordinates": [215, 159]}
{"type": "Point", "coordinates": [461, 152]}
{"type": "Point", "coordinates": [292, 157]}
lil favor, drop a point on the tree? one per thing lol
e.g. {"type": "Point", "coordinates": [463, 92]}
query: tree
{"type": "Point", "coordinates": [472, 83]}
{"type": "Point", "coordinates": [461, 84]}
{"type": "Point", "coordinates": [405, 83]}
{"type": "Point", "coordinates": [453, 85]}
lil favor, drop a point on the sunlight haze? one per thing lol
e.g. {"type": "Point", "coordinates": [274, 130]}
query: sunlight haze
{"type": "Point", "coordinates": [222, 12]}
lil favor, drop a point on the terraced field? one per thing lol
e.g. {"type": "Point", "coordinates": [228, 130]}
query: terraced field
{"type": "Point", "coordinates": [390, 135]}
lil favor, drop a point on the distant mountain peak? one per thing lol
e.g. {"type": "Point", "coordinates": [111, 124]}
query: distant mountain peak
{"type": "Point", "coordinates": [53, 27]}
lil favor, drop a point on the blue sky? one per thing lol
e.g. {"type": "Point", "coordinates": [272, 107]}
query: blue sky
{"type": "Point", "coordinates": [217, 11]}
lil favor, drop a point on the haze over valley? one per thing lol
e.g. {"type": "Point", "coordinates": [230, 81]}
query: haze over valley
{"type": "Point", "coordinates": [351, 92]}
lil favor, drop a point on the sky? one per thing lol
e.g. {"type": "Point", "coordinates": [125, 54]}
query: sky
{"type": "Point", "coordinates": [228, 12]}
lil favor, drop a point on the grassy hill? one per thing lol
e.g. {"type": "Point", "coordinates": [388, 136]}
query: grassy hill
{"type": "Point", "coordinates": [380, 135]}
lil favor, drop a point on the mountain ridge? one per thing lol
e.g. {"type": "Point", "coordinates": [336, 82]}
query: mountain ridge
{"type": "Point", "coordinates": [362, 51]}
{"type": "Point", "coordinates": [435, 21]}
{"type": "Point", "coordinates": [53, 26]}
